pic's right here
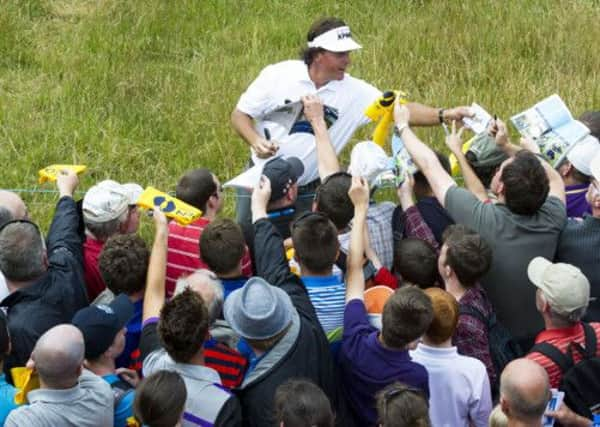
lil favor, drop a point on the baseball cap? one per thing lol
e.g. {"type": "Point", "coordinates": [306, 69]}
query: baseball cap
{"type": "Point", "coordinates": [484, 152]}
{"type": "Point", "coordinates": [375, 299]}
{"type": "Point", "coordinates": [335, 40]}
{"type": "Point", "coordinates": [100, 324]}
{"type": "Point", "coordinates": [104, 202]}
{"type": "Point", "coordinates": [595, 167]}
{"type": "Point", "coordinates": [564, 285]}
{"type": "Point", "coordinates": [582, 152]}
{"type": "Point", "coordinates": [282, 173]}
{"type": "Point", "coordinates": [368, 160]}
{"type": "Point", "coordinates": [258, 310]}
{"type": "Point", "coordinates": [133, 192]}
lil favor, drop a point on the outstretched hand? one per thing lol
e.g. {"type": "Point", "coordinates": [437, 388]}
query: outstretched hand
{"type": "Point", "coordinates": [313, 108]}
{"type": "Point", "coordinates": [359, 192]}
{"type": "Point", "coordinates": [401, 113]}
{"type": "Point", "coordinates": [67, 181]}
{"type": "Point", "coordinates": [260, 198]}
{"type": "Point", "coordinates": [453, 140]}
{"type": "Point", "coordinates": [457, 113]}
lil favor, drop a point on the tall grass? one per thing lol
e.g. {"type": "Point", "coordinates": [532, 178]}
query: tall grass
{"type": "Point", "coordinates": [142, 90]}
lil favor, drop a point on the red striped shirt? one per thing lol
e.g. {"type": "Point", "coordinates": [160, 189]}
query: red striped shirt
{"type": "Point", "coordinates": [561, 338]}
{"type": "Point", "coordinates": [183, 256]}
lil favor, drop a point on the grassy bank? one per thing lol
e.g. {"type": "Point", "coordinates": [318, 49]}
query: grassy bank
{"type": "Point", "coordinates": [142, 90]}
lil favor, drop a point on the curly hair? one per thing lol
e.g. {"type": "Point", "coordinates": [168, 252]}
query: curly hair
{"type": "Point", "coordinates": [183, 326]}
{"type": "Point", "coordinates": [123, 263]}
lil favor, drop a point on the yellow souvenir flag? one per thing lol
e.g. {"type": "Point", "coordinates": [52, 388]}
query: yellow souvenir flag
{"type": "Point", "coordinates": [454, 167]}
{"type": "Point", "coordinates": [50, 173]}
{"type": "Point", "coordinates": [25, 380]}
{"type": "Point", "coordinates": [383, 110]}
{"type": "Point", "coordinates": [172, 207]}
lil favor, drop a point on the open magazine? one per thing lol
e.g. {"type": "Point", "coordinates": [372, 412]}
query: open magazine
{"type": "Point", "coordinates": [550, 124]}
{"type": "Point", "coordinates": [480, 120]}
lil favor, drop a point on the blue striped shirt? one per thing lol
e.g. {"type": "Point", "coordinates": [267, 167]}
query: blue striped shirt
{"type": "Point", "coordinates": [328, 296]}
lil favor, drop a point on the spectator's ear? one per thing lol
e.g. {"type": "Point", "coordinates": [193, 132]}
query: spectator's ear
{"type": "Point", "coordinates": [79, 370]}
{"type": "Point", "coordinates": [504, 406]}
{"type": "Point", "coordinates": [30, 364]}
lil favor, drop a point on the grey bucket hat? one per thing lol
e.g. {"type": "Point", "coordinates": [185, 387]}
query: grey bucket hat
{"type": "Point", "coordinates": [258, 310]}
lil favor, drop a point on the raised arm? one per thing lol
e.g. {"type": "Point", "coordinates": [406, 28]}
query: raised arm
{"type": "Point", "coordinates": [355, 280]}
{"type": "Point", "coordinates": [422, 115]}
{"type": "Point", "coordinates": [154, 296]}
{"type": "Point", "coordinates": [326, 157]}
{"type": "Point", "coordinates": [472, 182]}
{"type": "Point", "coordinates": [269, 255]}
{"type": "Point", "coordinates": [425, 159]}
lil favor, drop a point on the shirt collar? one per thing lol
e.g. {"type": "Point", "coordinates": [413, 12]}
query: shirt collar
{"type": "Point", "coordinates": [558, 333]}
{"type": "Point", "coordinates": [46, 395]}
{"type": "Point", "coordinates": [314, 281]}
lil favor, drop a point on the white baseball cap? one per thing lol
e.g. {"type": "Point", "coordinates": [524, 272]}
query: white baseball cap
{"type": "Point", "coordinates": [335, 40]}
{"type": "Point", "coordinates": [368, 160]}
{"type": "Point", "coordinates": [582, 152]}
{"type": "Point", "coordinates": [595, 167]}
{"type": "Point", "coordinates": [565, 286]}
{"type": "Point", "coordinates": [108, 200]}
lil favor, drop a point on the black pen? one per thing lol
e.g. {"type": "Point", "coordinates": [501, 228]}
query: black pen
{"type": "Point", "coordinates": [267, 134]}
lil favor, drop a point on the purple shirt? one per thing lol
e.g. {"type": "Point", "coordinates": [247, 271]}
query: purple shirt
{"type": "Point", "coordinates": [577, 205]}
{"type": "Point", "coordinates": [367, 366]}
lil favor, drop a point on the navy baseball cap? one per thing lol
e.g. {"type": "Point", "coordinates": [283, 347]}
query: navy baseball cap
{"type": "Point", "coordinates": [282, 173]}
{"type": "Point", "coordinates": [100, 324]}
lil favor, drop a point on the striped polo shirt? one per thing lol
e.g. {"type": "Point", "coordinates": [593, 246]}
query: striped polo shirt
{"type": "Point", "coordinates": [328, 297]}
{"type": "Point", "coordinates": [183, 256]}
{"type": "Point", "coordinates": [561, 338]}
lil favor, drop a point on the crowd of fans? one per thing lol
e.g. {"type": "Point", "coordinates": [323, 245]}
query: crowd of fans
{"type": "Point", "coordinates": [450, 306]}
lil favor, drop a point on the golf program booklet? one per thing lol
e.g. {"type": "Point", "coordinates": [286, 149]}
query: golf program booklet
{"type": "Point", "coordinates": [550, 124]}
{"type": "Point", "coordinates": [480, 120]}
{"type": "Point", "coordinates": [291, 118]}
{"type": "Point", "coordinates": [553, 405]}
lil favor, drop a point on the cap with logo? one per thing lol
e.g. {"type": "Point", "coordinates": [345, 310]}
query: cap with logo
{"type": "Point", "coordinates": [100, 324]}
{"type": "Point", "coordinates": [335, 40]}
{"type": "Point", "coordinates": [108, 200]}
{"type": "Point", "coordinates": [564, 285]}
{"type": "Point", "coordinates": [282, 173]}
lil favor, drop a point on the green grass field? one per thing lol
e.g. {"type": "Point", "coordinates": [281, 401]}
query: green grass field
{"type": "Point", "coordinates": [142, 90]}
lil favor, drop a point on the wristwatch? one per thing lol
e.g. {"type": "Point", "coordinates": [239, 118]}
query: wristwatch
{"type": "Point", "coordinates": [441, 115]}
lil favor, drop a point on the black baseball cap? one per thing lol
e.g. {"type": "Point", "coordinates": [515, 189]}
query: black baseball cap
{"type": "Point", "coordinates": [282, 173]}
{"type": "Point", "coordinates": [100, 324]}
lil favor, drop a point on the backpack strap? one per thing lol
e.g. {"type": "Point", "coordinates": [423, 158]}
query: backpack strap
{"type": "Point", "coordinates": [554, 354]}
{"type": "Point", "coordinates": [590, 343]}
{"type": "Point", "coordinates": [120, 388]}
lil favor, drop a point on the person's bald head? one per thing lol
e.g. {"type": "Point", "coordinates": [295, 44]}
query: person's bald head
{"type": "Point", "coordinates": [206, 284]}
{"type": "Point", "coordinates": [58, 356]}
{"type": "Point", "coordinates": [14, 204]}
{"type": "Point", "coordinates": [524, 390]}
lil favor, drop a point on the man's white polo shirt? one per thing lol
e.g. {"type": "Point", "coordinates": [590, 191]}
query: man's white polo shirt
{"type": "Point", "coordinates": [277, 84]}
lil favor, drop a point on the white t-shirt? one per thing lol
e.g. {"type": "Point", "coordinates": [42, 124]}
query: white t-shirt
{"type": "Point", "coordinates": [345, 101]}
{"type": "Point", "coordinates": [459, 387]}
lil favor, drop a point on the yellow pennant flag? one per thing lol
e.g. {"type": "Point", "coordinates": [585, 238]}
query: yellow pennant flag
{"type": "Point", "coordinates": [172, 207]}
{"type": "Point", "coordinates": [382, 110]}
{"type": "Point", "coordinates": [50, 173]}
{"type": "Point", "coordinates": [454, 166]}
{"type": "Point", "coordinates": [25, 380]}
